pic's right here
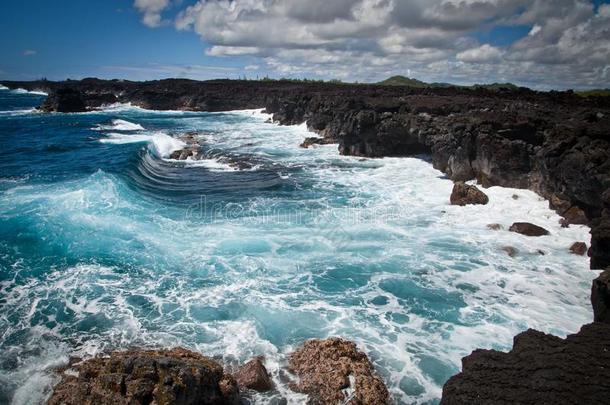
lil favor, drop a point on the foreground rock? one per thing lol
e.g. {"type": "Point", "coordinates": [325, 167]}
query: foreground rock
{"type": "Point", "coordinates": [600, 244]}
{"type": "Point", "coordinates": [253, 375]}
{"type": "Point", "coordinates": [177, 376]}
{"type": "Point", "coordinates": [527, 229]}
{"type": "Point", "coordinates": [464, 194]}
{"type": "Point", "coordinates": [64, 100]}
{"type": "Point", "coordinates": [540, 369]}
{"type": "Point", "coordinates": [600, 298]}
{"type": "Point", "coordinates": [333, 371]}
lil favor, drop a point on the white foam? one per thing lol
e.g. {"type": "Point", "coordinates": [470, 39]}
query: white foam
{"type": "Point", "coordinates": [3, 87]}
{"type": "Point", "coordinates": [15, 113]}
{"type": "Point", "coordinates": [120, 139]}
{"type": "Point", "coordinates": [215, 165]}
{"type": "Point", "coordinates": [120, 125]}
{"type": "Point", "coordinates": [164, 144]}
{"type": "Point", "coordinates": [24, 91]}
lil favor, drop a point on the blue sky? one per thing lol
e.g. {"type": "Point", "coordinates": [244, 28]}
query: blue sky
{"type": "Point", "coordinates": [545, 44]}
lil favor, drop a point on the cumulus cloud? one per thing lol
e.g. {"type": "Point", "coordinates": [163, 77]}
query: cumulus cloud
{"type": "Point", "coordinates": [151, 11]}
{"type": "Point", "coordinates": [482, 54]}
{"type": "Point", "coordinates": [567, 44]}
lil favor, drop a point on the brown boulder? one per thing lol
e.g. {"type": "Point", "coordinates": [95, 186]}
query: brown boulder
{"type": "Point", "coordinates": [525, 228]}
{"type": "Point", "coordinates": [578, 248]}
{"type": "Point", "coordinates": [463, 194]}
{"type": "Point", "coordinates": [574, 216]}
{"type": "Point", "coordinates": [254, 375]}
{"type": "Point", "coordinates": [334, 371]}
{"type": "Point", "coordinates": [163, 377]}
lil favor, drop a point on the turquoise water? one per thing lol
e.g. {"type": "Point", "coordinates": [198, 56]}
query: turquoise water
{"type": "Point", "coordinates": [107, 243]}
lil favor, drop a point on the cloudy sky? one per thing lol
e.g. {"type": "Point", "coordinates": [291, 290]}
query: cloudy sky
{"type": "Point", "coordinates": [538, 43]}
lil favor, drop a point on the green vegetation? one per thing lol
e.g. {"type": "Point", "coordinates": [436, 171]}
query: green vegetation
{"type": "Point", "coordinates": [594, 93]}
{"type": "Point", "coordinates": [408, 82]}
{"type": "Point", "coordinates": [404, 81]}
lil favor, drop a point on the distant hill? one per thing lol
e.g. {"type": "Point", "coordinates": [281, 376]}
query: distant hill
{"type": "Point", "coordinates": [404, 81]}
{"type": "Point", "coordinates": [408, 82]}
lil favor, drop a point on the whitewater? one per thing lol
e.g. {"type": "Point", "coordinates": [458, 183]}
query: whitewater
{"type": "Point", "coordinates": [108, 243]}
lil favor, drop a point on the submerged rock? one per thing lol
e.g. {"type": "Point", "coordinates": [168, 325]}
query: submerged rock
{"type": "Point", "coordinates": [333, 371]}
{"type": "Point", "coordinates": [578, 248]}
{"type": "Point", "coordinates": [494, 227]}
{"type": "Point", "coordinates": [253, 375]}
{"type": "Point", "coordinates": [162, 377]}
{"type": "Point", "coordinates": [600, 297]}
{"type": "Point", "coordinates": [316, 141]}
{"type": "Point", "coordinates": [540, 369]}
{"type": "Point", "coordinates": [511, 251]}
{"type": "Point", "coordinates": [464, 194]}
{"type": "Point", "coordinates": [525, 228]}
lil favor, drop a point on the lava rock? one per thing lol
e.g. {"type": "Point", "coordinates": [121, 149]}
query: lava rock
{"type": "Point", "coordinates": [578, 248]}
{"type": "Point", "coordinates": [600, 297]}
{"type": "Point", "coordinates": [327, 368]}
{"type": "Point", "coordinates": [163, 377]}
{"type": "Point", "coordinates": [64, 100]}
{"type": "Point", "coordinates": [599, 252]}
{"type": "Point", "coordinates": [540, 369]}
{"type": "Point", "coordinates": [253, 375]}
{"type": "Point", "coordinates": [464, 194]}
{"type": "Point", "coordinates": [528, 229]}
{"type": "Point", "coordinates": [316, 141]}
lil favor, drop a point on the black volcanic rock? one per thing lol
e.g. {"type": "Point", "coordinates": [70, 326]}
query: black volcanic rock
{"type": "Point", "coordinates": [600, 297]}
{"type": "Point", "coordinates": [540, 369]}
{"type": "Point", "coordinates": [64, 100]}
{"type": "Point", "coordinates": [600, 243]}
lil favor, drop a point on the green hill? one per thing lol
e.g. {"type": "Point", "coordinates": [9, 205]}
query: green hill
{"type": "Point", "coordinates": [403, 81]}
{"type": "Point", "coordinates": [408, 82]}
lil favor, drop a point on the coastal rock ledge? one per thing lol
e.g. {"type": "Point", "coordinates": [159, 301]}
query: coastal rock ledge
{"type": "Point", "coordinates": [540, 369]}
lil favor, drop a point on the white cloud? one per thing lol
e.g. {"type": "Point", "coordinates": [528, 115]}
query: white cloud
{"type": "Point", "coordinates": [482, 54]}
{"type": "Point", "coordinates": [29, 52]}
{"type": "Point", "coordinates": [567, 45]}
{"type": "Point", "coordinates": [151, 11]}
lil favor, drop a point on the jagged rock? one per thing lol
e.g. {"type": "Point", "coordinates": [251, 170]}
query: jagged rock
{"type": "Point", "coordinates": [464, 194]}
{"type": "Point", "coordinates": [525, 228]}
{"type": "Point", "coordinates": [494, 227]}
{"type": "Point", "coordinates": [600, 244]}
{"type": "Point", "coordinates": [326, 368]}
{"type": "Point", "coordinates": [540, 369]}
{"type": "Point", "coordinates": [254, 375]}
{"type": "Point", "coordinates": [578, 248]}
{"type": "Point", "coordinates": [183, 154]}
{"type": "Point", "coordinates": [600, 297]}
{"type": "Point", "coordinates": [511, 251]}
{"type": "Point", "coordinates": [316, 141]}
{"type": "Point", "coordinates": [163, 377]}
{"type": "Point", "coordinates": [64, 100]}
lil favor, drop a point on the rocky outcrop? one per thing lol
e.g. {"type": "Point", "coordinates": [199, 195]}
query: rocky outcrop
{"type": "Point", "coordinates": [600, 243]}
{"type": "Point", "coordinates": [578, 248]}
{"type": "Point", "coordinates": [253, 375]}
{"type": "Point", "coordinates": [64, 100]}
{"type": "Point", "coordinates": [333, 371]}
{"type": "Point", "coordinates": [316, 141]}
{"type": "Point", "coordinates": [177, 376]}
{"type": "Point", "coordinates": [464, 194]}
{"type": "Point", "coordinates": [527, 229]}
{"type": "Point", "coordinates": [600, 297]}
{"type": "Point", "coordinates": [540, 369]}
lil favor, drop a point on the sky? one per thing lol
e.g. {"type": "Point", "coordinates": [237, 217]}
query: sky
{"type": "Point", "coordinates": [542, 44]}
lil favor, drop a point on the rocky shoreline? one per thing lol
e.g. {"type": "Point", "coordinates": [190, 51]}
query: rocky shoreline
{"type": "Point", "coordinates": [556, 144]}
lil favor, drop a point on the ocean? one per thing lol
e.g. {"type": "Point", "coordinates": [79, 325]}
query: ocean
{"type": "Point", "coordinates": [106, 243]}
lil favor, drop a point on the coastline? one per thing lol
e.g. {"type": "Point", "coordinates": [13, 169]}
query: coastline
{"type": "Point", "coordinates": [285, 119]}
